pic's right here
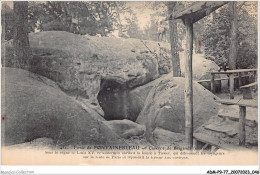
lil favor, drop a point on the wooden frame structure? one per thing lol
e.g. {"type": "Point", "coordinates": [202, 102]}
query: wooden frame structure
{"type": "Point", "coordinates": [189, 16]}
{"type": "Point", "coordinates": [231, 74]}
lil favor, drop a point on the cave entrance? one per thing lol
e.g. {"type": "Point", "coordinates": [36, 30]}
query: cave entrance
{"type": "Point", "coordinates": [114, 99]}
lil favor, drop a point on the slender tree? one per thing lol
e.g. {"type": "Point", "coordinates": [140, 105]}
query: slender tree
{"type": "Point", "coordinates": [119, 20]}
{"type": "Point", "coordinates": [233, 30]}
{"type": "Point", "coordinates": [171, 5]}
{"type": "Point", "coordinates": [22, 51]}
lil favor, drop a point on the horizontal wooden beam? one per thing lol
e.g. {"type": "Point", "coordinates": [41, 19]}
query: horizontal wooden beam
{"type": "Point", "coordinates": [249, 85]}
{"type": "Point", "coordinates": [233, 71]}
{"type": "Point", "coordinates": [215, 79]}
{"type": "Point", "coordinates": [250, 121]}
{"type": "Point", "coordinates": [199, 10]}
{"type": "Point", "coordinates": [242, 102]}
{"type": "Point", "coordinates": [219, 79]}
{"type": "Point", "coordinates": [217, 143]}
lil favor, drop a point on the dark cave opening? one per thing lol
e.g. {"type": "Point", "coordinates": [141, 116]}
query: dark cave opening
{"type": "Point", "coordinates": [115, 101]}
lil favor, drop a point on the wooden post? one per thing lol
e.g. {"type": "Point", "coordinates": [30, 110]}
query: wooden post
{"type": "Point", "coordinates": [188, 84]}
{"type": "Point", "coordinates": [239, 79]}
{"type": "Point", "coordinates": [231, 85]}
{"type": "Point", "coordinates": [195, 144]}
{"type": "Point", "coordinates": [189, 16]}
{"type": "Point", "coordinates": [242, 121]}
{"type": "Point", "coordinates": [255, 76]}
{"type": "Point", "coordinates": [212, 85]}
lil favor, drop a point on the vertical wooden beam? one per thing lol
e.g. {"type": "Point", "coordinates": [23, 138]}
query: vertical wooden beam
{"type": "Point", "coordinates": [195, 144]}
{"type": "Point", "coordinates": [255, 76]}
{"type": "Point", "coordinates": [239, 79]}
{"type": "Point", "coordinates": [242, 121]}
{"type": "Point", "coordinates": [188, 84]}
{"type": "Point", "coordinates": [212, 84]}
{"type": "Point", "coordinates": [231, 85]}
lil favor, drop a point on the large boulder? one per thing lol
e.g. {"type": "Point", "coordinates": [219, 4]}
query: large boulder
{"type": "Point", "coordinates": [138, 95]}
{"type": "Point", "coordinates": [125, 128]}
{"type": "Point", "coordinates": [200, 66]}
{"type": "Point", "coordinates": [133, 134]}
{"type": "Point", "coordinates": [34, 107]}
{"type": "Point", "coordinates": [201, 69]}
{"type": "Point", "coordinates": [161, 137]}
{"type": "Point", "coordinates": [39, 143]}
{"type": "Point", "coordinates": [164, 137]}
{"type": "Point", "coordinates": [83, 66]}
{"type": "Point", "coordinates": [78, 63]}
{"type": "Point", "coordinates": [164, 106]}
{"type": "Point", "coordinates": [101, 71]}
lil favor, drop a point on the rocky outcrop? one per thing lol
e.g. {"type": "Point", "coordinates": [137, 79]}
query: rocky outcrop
{"type": "Point", "coordinates": [39, 143]}
{"type": "Point", "coordinates": [200, 66]}
{"type": "Point", "coordinates": [34, 107]}
{"type": "Point", "coordinates": [164, 106]}
{"type": "Point", "coordinates": [139, 94]}
{"type": "Point", "coordinates": [201, 69]}
{"type": "Point", "coordinates": [125, 128]}
{"type": "Point", "coordinates": [82, 65]}
{"type": "Point", "coordinates": [164, 137]}
{"type": "Point", "coordinates": [78, 63]}
{"type": "Point", "coordinates": [102, 71]}
{"type": "Point", "coordinates": [161, 137]}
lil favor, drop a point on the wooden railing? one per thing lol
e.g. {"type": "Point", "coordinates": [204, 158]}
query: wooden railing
{"type": "Point", "coordinates": [231, 74]}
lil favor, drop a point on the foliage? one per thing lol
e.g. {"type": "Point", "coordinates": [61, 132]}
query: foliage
{"type": "Point", "coordinates": [216, 37]}
{"type": "Point", "coordinates": [7, 22]}
{"type": "Point", "coordinates": [81, 17]}
{"type": "Point", "coordinates": [104, 18]}
{"type": "Point", "coordinates": [132, 28]}
{"type": "Point", "coordinates": [159, 14]}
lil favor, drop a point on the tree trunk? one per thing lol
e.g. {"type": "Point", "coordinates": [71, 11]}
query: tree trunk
{"type": "Point", "coordinates": [3, 26]}
{"type": "Point", "coordinates": [22, 51]}
{"type": "Point", "coordinates": [119, 20]}
{"type": "Point", "coordinates": [3, 38]}
{"type": "Point", "coordinates": [174, 41]}
{"type": "Point", "coordinates": [233, 44]}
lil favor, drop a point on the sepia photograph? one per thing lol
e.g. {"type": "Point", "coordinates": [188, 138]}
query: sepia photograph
{"type": "Point", "coordinates": [129, 83]}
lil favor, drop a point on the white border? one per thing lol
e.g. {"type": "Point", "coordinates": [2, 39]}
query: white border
{"type": "Point", "coordinates": [98, 169]}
